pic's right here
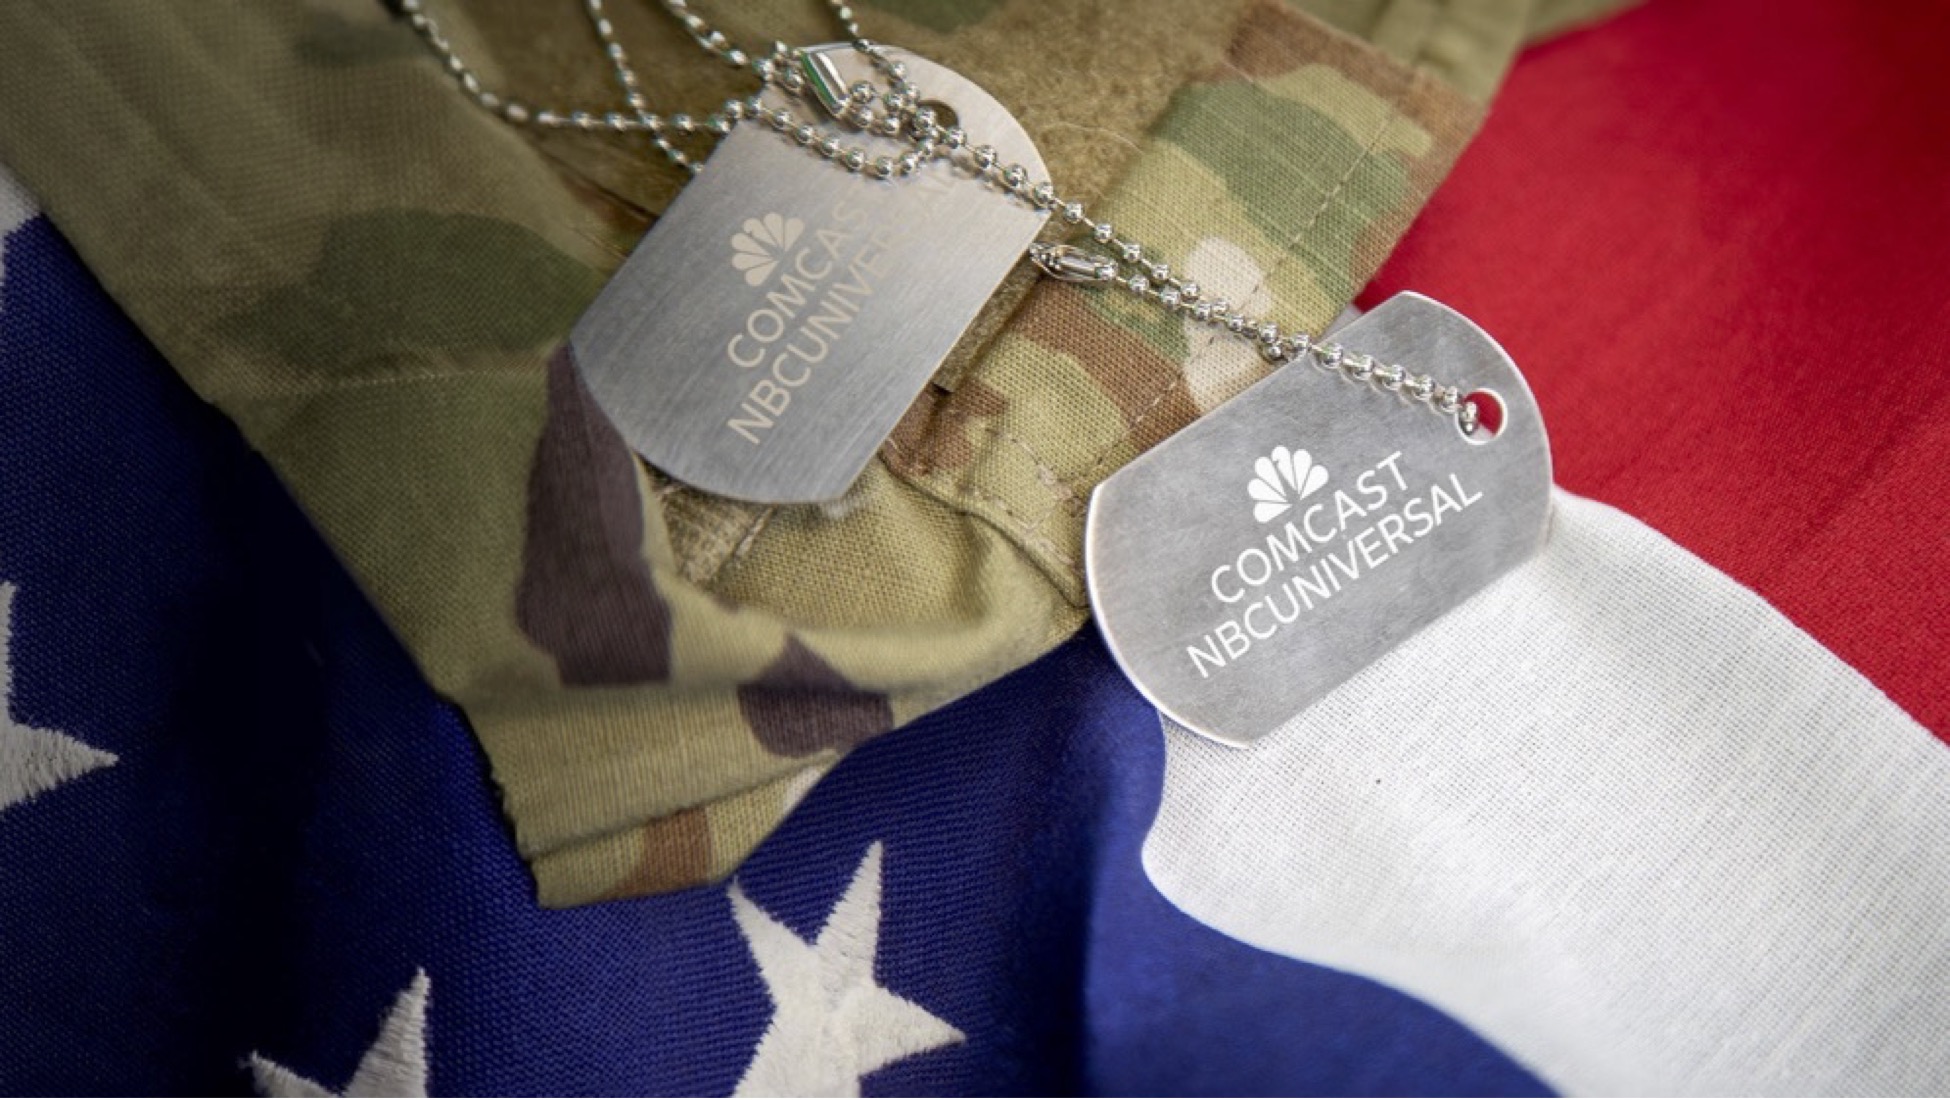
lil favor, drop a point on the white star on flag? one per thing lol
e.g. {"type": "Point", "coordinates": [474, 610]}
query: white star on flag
{"type": "Point", "coordinates": [32, 761]}
{"type": "Point", "coordinates": [395, 1064]}
{"type": "Point", "coordinates": [832, 1023]}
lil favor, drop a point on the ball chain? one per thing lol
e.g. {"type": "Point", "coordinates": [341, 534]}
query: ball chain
{"type": "Point", "coordinates": [901, 112]}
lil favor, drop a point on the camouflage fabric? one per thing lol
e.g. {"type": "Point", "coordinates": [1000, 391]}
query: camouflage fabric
{"type": "Point", "coordinates": [374, 280]}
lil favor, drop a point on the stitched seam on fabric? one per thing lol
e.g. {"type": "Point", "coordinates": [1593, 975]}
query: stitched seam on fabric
{"type": "Point", "coordinates": [716, 544]}
{"type": "Point", "coordinates": [1286, 254]}
{"type": "Point", "coordinates": [1130, 431]}
{"type": "Point", "coordinates": [966, 496]}
{"type": "Point", "coordinates": [977, 362]}
{"type": "Point", "coordinates": [1212, 335]}
{"type": "Point", "coordinates": [759, 523]}
{"type": "Point", "coordinates": [1050, 479]}
{"type": "Point", "coordinates": [1060, 490]}
{"type": "Point", "coordinates": [1023, 527]}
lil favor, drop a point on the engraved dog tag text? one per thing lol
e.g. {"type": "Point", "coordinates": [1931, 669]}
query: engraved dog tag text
{"type": "Point", "coordinates": [1252, 562]}
{"type": "Point", "coordinates": [774, 325]}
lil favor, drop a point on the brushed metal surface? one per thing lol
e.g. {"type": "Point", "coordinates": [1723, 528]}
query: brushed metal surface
{"type": "Point", "coordinates": [777, 321]}
{"type": "Point", "coordinates": [1175, 535]}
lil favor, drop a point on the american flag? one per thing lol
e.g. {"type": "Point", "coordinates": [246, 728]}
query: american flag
{"type": "Point", "coordinates": [1667, 810]}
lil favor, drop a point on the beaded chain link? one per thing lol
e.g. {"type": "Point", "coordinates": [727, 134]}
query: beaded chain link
{"type": "Point", "coordinates": [901, 112]}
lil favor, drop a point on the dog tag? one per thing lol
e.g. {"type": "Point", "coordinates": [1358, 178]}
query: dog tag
{"type": "Point", "coordinates": [1249, 564]}
{"type": "Point", "coordinates": [774, 325]}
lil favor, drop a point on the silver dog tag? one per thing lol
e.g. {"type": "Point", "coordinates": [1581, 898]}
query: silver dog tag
{"type": "Point", "coordinates": [1249, 564]}
{"type": "Point", "coordinates": [773, 326]}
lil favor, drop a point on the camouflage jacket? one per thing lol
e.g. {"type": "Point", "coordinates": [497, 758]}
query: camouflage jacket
{"type": "Point", "coordinates": [374, 279]}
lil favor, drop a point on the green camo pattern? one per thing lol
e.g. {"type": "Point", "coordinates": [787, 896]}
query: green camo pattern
{"type": "Point", "coordinates": [374, 280]}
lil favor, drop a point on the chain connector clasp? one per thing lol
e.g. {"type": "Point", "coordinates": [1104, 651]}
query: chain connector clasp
{"type": "Point", "coordinates": [1072, 264]}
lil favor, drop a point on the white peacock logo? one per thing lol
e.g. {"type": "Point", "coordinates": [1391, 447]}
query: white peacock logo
{"type": "Point", "coordinates": [1281, 478]}
{"type": "Point", "coordinates": [756, 251]}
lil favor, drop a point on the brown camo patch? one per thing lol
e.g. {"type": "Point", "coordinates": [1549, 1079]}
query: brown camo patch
{"type": "Point", "coordinates": [586, 596]}
{"type": "Point", "coordinates": [1451, 119]}
{"type": "Point", "coordinates": [801, 705]}
{"type": "Point", "coordinates": [1144, 385]}
{"type": "Point", "coordinates": [935, 434]}
{"type": "Point", "coordinates": [676, 854]}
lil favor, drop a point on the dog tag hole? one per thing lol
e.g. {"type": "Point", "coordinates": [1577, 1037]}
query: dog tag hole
{"type": "Point", "coordinates": [1489, 416]}
{"type": "Point", "coordinates": [944, 115]}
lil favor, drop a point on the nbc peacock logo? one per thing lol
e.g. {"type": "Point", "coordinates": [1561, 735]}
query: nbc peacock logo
{"type": "Point", "coordinates": [1281, 479]}
{"type": "Point", "coordinates": [757, 248]}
